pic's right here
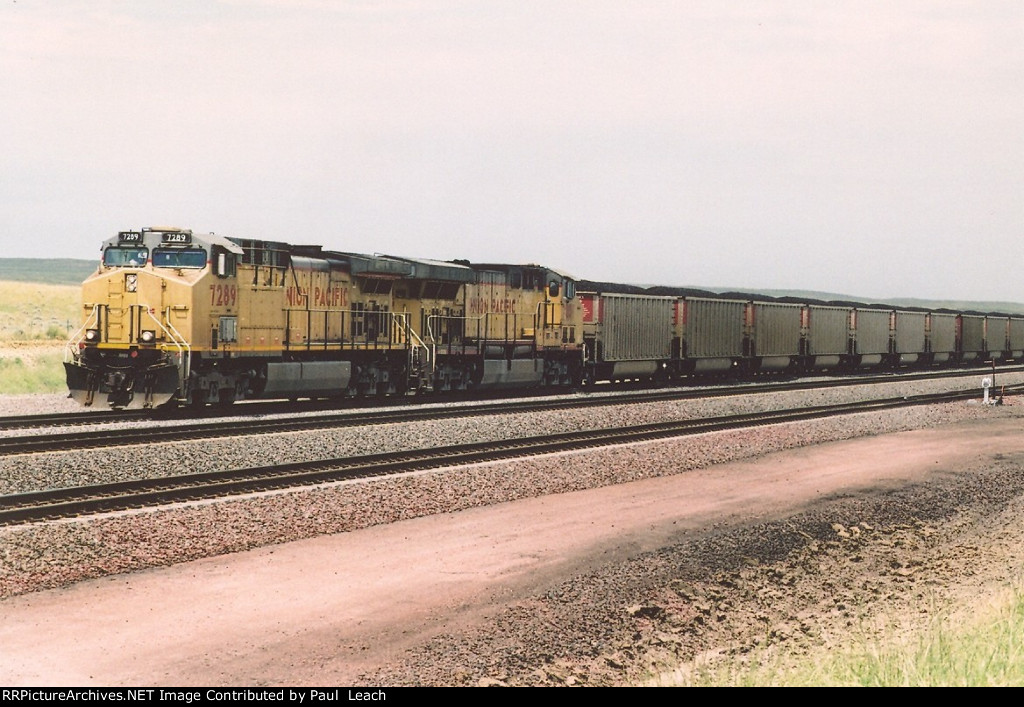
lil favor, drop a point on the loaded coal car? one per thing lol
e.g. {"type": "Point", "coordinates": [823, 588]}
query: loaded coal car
{"type": "Point", "coordinates": [1006, 337]}
{"type": "Point", "coordinates": [776, 334]}
{"type": "Point", "coordinates": [1015, 338]}
{"type": "Point", "coordinates": [871, 334]}
{"type": "Point", "coordinates": [175, 316]}
{"type": "Point", "coordinates": [714, 335]}
{"type": "Point", "coordinates": [943, 337]}
{"type": "Point", "coordinates": [628, 336]}
{"type": "Point", "coordinates": [910, 337]}
{"type": "Point", "coordinates": [971, 338]}
{"type": "Point", "coordinates": [827, 337]}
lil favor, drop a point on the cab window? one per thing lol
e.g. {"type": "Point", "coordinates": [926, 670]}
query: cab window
{"type": "Point", "coordinates": [130, 257]}
{"type": "Point", "coordinates": [167, 258]}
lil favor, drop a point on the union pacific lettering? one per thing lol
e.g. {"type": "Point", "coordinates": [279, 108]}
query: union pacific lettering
{"type": "Point", "coordinates": [494, 305]}
{"type": "Point", "coordinates": [323, 297]}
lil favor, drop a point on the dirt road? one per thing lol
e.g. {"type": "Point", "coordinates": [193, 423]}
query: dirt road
{"type": "Point", "coordinates": [590, 587]}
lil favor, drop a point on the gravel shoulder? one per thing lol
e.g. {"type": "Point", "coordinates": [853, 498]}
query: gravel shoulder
{"type": "Point", "coordinates": [624, 562]}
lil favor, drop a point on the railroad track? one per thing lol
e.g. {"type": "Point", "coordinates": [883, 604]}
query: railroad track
{"type": "Point", "coordinates": [278, 407]}
{"type": "Point", "coordinates": [82, 500]}
{"type": "Point", "coordinates": [95, 439]}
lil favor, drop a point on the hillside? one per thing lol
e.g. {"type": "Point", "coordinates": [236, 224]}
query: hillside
{"type": "Point", "coordinates": [69, 271]}
{"type": "Point", "coordinates": [47, 271]}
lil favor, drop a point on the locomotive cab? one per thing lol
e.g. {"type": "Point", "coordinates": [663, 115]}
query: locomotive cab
{"type": "Point", "coordinates": [135, 346]}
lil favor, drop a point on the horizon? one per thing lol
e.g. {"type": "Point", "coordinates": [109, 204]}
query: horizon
{"type": "Point", "coordinates": [799, 293]}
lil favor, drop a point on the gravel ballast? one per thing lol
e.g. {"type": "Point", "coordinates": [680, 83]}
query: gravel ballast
{"type": "Point", "coordinates": [22, 473]}
{"type": "Point", "coordinates": [54, 554]}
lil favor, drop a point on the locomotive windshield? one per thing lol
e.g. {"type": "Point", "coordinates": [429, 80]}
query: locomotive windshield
{"type": "Point", "coordinates": [168, 258]}
{"type": "Point", "coordinates": [120, 257]}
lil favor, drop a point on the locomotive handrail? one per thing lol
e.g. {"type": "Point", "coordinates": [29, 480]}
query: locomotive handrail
{"type": "Point", "coordinates": [483, 329]}
{"type": "Point", "coordinates": [399, 328]}
{"type": "Point", "coordinates": [434, 339]}
{"type": "Point", "coordinates": [418, 343]}
{"type": "Point", "coordinates": [411, 333]}
{"type": "Point", "coordinates": [391, 324]}
{"type": "Point", "coordinates": [175, 337]}
{"type": "Point", "coordinates": [71, 347]}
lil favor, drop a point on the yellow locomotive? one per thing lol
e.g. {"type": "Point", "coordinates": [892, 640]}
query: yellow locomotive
{"type": "Point", "coordinates": [176, 316]}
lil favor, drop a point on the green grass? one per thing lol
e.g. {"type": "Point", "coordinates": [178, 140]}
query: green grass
{"type": "Point", "coordinates": [984, 652]}
{"type": "Point", "coordinates": [984, 649]}
{"type": "Point", "coordinates": [35, 321]}
{"type": "Point", "coordinates": [32, 370]}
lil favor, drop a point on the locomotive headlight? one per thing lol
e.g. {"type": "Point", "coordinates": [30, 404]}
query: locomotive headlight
{"type": "Point", "coordinates": [148, 336]}
{"type": "Point", "coordinates": [92, 335]}
{"type": "Point", "coordinates": [131, 282]}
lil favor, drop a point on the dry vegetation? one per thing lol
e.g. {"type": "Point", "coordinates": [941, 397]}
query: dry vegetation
{"type": "Point", "coordinates": [35, 320]}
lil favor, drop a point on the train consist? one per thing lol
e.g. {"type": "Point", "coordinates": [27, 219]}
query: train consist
{"type": "Point", "coordinates": [673, 336]}
{"type": "Point", "coordinates": [172, 316]}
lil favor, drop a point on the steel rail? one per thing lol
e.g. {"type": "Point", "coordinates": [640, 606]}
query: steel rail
{"type": "Point", "coordinates": [277, 407]}
{"type": "Point", "coordinates": [73, 501]}
{"type": "Point", "coordinates": [94, 439]}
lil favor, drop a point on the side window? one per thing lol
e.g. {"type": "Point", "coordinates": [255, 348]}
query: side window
{"type": "Point", "coordinates": [226, 263]}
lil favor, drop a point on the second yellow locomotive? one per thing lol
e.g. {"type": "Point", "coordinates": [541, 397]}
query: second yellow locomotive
{"type": "Point", "coordinates": [172, 315]}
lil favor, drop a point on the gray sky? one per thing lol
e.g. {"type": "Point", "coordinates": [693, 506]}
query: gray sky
{"type": "Point", "coordinates": [871, 148]}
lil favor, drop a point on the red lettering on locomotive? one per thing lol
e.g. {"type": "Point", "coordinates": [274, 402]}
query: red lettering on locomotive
{"type": "Point", "coordinates": [223, 295]}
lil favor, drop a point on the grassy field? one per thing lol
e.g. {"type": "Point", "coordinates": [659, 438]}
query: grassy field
{"type": "Point", "coordinates": [35, 321]}
{"type": "Point", "coordinates": [51, 271]}
{"type": "Point", "coordinates": [32, 369]}
{"type": "Point", "coordinates": [977, 647]}
{"type": "Point", "coordinates": [34, 312]}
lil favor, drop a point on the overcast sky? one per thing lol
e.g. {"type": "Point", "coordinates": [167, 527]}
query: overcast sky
{"type": "Point", "coordinates": [868, 148]}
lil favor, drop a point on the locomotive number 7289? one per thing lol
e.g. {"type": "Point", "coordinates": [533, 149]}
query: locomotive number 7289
{"type": "Point", "coordinates": [223, 295]}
